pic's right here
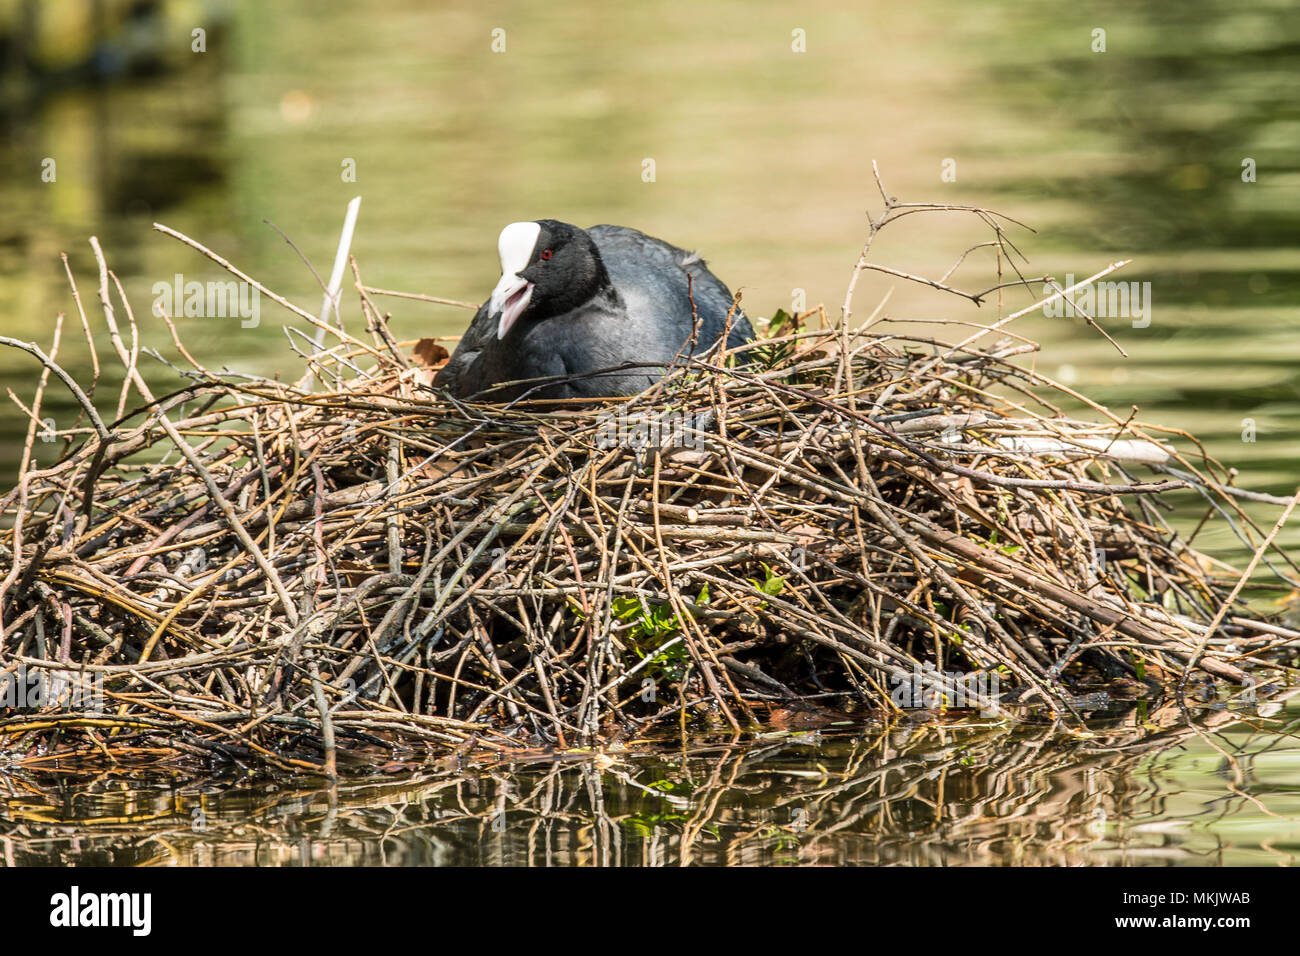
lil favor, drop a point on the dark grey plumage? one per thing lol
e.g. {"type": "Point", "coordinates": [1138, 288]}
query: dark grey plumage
{"type": "Point", "coordinates": [593, 300]}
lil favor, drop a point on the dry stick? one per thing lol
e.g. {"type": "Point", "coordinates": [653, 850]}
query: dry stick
{"type": "Point", "coordinates": [891, 213]}
{"type": "Point", "coordinates": [1011, 650]}
{"type": "Point", "coordinates": [1059, 293]}
{"type": "Point", "coordinates": [290, 610]}
{"type": "Point", "coordinates": [938, 464]}
{"type": "Point", "coordinates": [846, 310]}
{"type": "Point", "coordinates": [326, 720]}
{"type": "Point", "coordinates": [35, 350]}
{"type": "Point", "coordinates": [598, 649]}
{"type": "Point", "coordinates": [970, 296]}
{"type": "Point", "coordinates": [888, 216]}
{"type": "Point", "coordinates": [1088, 318]}
{"type": "Point", "coordinates": [1232, 596]}
{"type": "Point", "coordinates": [380, 323]}
{"type": "Point", "coordinates": [1101, 613]}
{"type": "Point", "coordinates": [684, 617]}
{"type": "Point", "coordinates": [85, 323]}
{"type": "Point", "coordinates": [24, 464]}
{"type": "Point", "coordinates": [134, 354]}
{"type": "Point", "coordinates": [278, 299]}
{"type": "Point", "coordinates": [283, 763]}
{"type": "Point", "coordinates": [421, 298]}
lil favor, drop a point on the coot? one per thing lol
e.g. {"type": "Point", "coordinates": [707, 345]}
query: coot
{"type": "Point", "coordinates": [579, 306]}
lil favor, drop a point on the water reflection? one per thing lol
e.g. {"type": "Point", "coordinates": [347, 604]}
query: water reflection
{"type": "Point", "coordinates": [1143, 789]}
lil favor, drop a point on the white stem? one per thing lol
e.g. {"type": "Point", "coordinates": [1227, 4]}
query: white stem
{"type": "Point", "coordinates": [330, 301]}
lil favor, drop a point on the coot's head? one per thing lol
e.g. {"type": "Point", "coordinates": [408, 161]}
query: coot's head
{"type": "Point", "coordinates": [547, 268]}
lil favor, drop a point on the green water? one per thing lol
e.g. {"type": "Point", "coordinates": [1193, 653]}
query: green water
{"type": "Point", "coordinates": [762, 160]}
{"type": "Point", "coordinates": [1224, 793]}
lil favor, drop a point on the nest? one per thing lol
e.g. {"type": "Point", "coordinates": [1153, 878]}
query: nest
{"type": "Point", "coordinates": [833, 525]}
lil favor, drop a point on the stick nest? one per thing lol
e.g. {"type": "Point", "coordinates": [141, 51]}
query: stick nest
{"type": "Point", "coordinates": [294, 574]}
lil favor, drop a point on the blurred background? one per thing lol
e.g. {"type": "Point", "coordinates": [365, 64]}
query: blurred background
{"type": "Point", "coordinates": [761, 121]}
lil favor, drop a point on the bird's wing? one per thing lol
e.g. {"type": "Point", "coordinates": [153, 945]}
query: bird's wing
{"type": "Point", "coordinates": [462, 375]}
{"type": "Point", "coordinates": [622, 247]}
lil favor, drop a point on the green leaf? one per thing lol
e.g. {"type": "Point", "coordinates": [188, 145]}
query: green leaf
{"type": "Point", "coordinates": [626, 608]}
{"type": "Point", "coordinates": [781, 323]}
{"type": "Point", "coordinates": [662, 618]}
{"type": "Point", "coordinates": [1139, 666]}
{"type": "Point", "coordinates": [773, 583]}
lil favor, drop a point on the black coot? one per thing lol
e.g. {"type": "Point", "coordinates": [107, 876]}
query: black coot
{"type": "Point", "coordinates": [578, 303]}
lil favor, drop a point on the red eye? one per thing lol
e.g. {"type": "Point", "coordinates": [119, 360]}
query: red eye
{"type": "Point", "coordinates": [546, 254]}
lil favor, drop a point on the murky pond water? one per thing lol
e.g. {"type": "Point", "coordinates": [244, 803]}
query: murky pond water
{"type": "Point", "coordinates": [1142, 789]}
{"type": "Point", "coordinates": [762, 159]}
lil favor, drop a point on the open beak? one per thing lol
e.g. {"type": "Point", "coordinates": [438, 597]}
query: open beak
{"type": "Point", "coordinates": [509, 299]}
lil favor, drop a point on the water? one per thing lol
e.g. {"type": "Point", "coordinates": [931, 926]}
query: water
{"type": "Point", "coordinates": [919, 794]}
{"type": "Point", "coordinates": [762, 160]}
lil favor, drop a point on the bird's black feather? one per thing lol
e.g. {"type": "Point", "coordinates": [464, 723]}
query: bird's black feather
{"type": "Point", "coordinates": [604, 299]}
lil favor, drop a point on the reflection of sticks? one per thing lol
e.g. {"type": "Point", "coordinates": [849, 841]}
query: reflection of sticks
{"type": "Point", "coordinates": [958, 793]}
